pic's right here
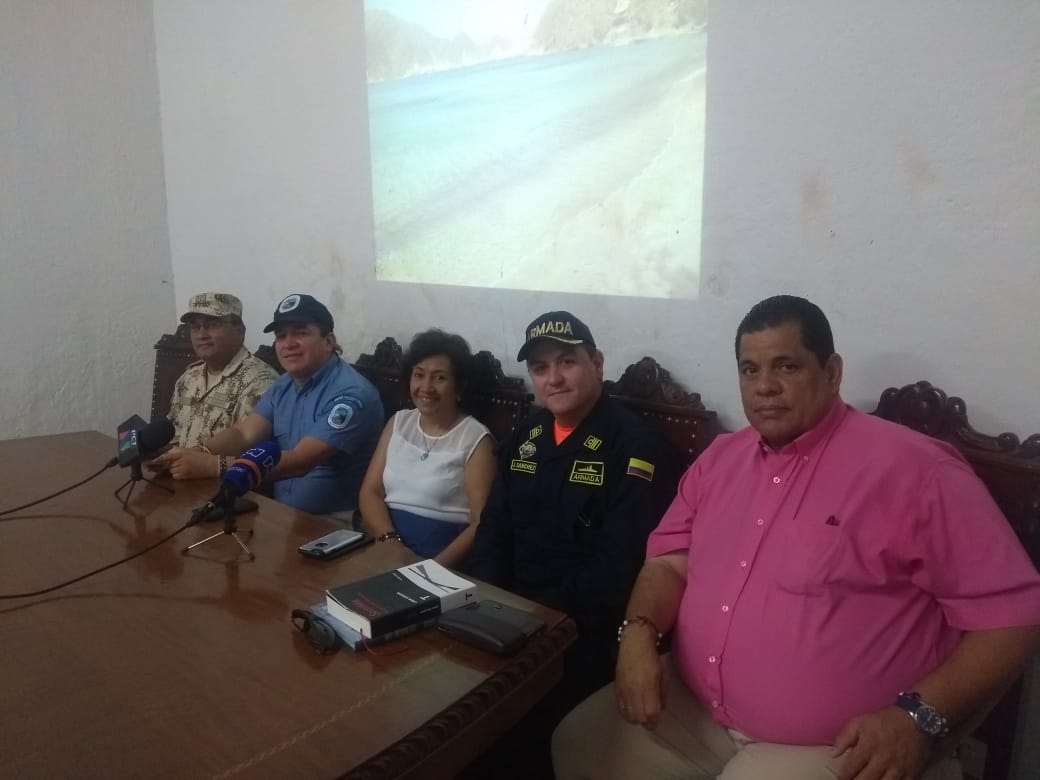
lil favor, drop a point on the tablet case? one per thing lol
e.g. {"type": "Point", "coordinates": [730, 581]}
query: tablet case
{"type": "Point", "coordinates": [491, 625]}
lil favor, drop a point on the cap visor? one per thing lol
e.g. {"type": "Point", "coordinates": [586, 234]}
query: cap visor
{"type": "Point", "coordinates": [525, 350]}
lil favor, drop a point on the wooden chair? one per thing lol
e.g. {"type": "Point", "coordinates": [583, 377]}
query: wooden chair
{"type": "Point", "coordinates": [383, 369]}
{"type": "Point", "coordinates": [173, 353]}
{"type": "Point", "coordinates": [267, 354]}
{"type": "Point", "coordinates": [1010, 468]}
{"type": "Point", "coordinates": [649, 391]}
{"type": "Point", "coordinates": [497, 400]}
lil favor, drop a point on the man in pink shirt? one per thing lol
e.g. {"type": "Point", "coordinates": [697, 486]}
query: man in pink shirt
{"type": "Point", "coordinates": [841, 592]}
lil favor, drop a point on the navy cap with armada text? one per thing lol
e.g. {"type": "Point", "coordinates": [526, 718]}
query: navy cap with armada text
{"type": "Point", "coordinates": [561, 326]}
{"type": "Point", "coordinates": [300, 308]}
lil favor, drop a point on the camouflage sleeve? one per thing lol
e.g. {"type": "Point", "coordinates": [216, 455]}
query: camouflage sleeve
{"type": "Point", "coordinates": [255, 387]}
{"type": "Point", "coordinates": [178, 405]}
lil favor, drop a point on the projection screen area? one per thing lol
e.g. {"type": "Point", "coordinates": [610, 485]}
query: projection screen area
{"type": "Point", "coordinates": [552, 145]}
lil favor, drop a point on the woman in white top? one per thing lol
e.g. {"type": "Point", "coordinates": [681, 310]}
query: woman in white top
{"type": "Point", "coordinates": [432, 469]}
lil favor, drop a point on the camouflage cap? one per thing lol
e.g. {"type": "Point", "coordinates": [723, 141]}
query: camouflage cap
{"type": "Point", "coordinates": [213, 304]}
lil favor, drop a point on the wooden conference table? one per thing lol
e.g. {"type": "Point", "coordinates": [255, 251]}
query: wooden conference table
{"type": "Point", "coordinates": [187, 666]}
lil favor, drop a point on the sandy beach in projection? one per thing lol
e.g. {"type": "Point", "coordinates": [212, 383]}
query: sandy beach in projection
{"type": "Point", "coordinates": [579, 172]}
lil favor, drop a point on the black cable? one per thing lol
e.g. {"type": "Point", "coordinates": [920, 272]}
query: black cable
{"type": "Point", "coordinates": [97, 473]}
{"type": "Point", "coordinates": [149, 548]}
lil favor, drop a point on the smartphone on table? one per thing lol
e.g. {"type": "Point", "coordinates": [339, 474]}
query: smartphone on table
{"type": "Point", "coordinates": [334, 544]}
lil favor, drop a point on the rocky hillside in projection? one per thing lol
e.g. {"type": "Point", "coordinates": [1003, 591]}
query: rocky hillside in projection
{"type": "Point", "coordinates": [396, 48]}
{"type": "Point", "coordinates": [579, 24]}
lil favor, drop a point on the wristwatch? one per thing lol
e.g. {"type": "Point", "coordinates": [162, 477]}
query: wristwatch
{"type": "Point", "coordinates": [925, 715]}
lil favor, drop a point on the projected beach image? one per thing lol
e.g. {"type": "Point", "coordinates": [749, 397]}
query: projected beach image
{"type": "Point", "coordinates": [554, 145]}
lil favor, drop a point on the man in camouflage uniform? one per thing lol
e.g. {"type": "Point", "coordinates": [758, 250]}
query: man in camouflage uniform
{"type": "Point", "coordinates": [218, 390]}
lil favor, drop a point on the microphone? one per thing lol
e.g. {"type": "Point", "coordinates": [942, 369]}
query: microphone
{"type": "Point", "coordinates": [137, 440]}
{"type": "Point", "coordinates": [245, 473]}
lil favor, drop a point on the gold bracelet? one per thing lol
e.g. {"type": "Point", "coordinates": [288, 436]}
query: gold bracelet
{"type": "Point", "coordinates": [389, 535]}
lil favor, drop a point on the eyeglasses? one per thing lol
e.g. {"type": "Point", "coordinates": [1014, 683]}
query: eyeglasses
{"type": "Point", "coordinates": [320, 634]}
{"type": "Point", "coordinates": [209, 324]}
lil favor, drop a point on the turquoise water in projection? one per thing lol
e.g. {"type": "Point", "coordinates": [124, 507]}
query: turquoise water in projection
{"type": "Point", "coordinates": [494, 174]}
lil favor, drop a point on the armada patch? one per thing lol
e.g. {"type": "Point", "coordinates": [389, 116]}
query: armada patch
{"type": "Point", "coordinates": [587, 472]}
{"type": "Point", "coordinates": [535, 432]}
{"type": "Point", "coordinates": [640, 468]}
{"type": "Point", "coordinates": [593, 443]}
{"type": "Point", "coordinates": [527, 450]}
{"type": "Point", "coordinates": [525, 466]}
{"type": "Point", "coordinates": [340, 416]}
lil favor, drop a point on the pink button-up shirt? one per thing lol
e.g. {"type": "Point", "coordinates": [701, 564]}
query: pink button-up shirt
{"type": "Point", "coordinates": [827, 577]}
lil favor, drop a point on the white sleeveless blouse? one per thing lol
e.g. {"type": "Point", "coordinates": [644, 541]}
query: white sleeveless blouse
{"type": "Point", "coordinates": [424, 473]}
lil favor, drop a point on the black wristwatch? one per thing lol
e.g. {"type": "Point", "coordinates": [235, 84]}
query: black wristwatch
{"type": "Point", "coordinates": [925, 715]}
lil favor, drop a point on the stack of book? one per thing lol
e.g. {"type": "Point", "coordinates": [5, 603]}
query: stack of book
{"type": "Point", "coordinates": [398, 602]}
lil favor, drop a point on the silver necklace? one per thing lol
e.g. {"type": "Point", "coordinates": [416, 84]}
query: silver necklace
{"type": "Point", "coordinates": [427, 445]}
{"type": "Point", "coordinates": [426, 441]}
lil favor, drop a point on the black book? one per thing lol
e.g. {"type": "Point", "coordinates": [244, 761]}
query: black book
{"type": "Point", "coordinates": [396, 599]}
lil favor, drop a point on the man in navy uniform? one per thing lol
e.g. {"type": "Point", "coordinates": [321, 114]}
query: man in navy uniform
{"type": "Point", "coordinates": [580, 485]}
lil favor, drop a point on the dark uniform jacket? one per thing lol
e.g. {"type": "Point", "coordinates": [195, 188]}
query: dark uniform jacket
{"type": "Point", "coordinates": [567, 525]}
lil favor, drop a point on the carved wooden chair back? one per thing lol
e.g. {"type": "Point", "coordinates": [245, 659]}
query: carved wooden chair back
{"type": "Point", "coordinates": [383, 369]}
{"type": "Point", "coordinates": [497, 400]}
{"type": "Point", "coordinates": [1010, 468]}
{"type": "Point", "coordinates": [649, 391]}
{"type": "Point", "coordinates": [173, 353]}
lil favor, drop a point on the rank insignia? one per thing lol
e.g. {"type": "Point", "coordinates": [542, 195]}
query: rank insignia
{"type": "Point", "coordinates": [593, 443]}
{"type": "Point", "coordinates": [535, 432]}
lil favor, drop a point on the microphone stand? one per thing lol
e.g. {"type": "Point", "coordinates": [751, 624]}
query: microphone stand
{"type": "Point", "coordinates": [230, 527]}
{"type": "Point", "coordinates": [136, 476]}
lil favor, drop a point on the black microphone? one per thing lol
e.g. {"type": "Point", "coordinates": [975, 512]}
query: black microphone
{"type": "Point", "coordinates": [138, 441]}
{"type": "Point", "coordinates": [245, 473]}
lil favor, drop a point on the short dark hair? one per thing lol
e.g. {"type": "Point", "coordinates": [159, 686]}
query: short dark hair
{"type": "Point", "coordinates": [782, 309]}
{"type": "Point", "coordinates": [434, 342]}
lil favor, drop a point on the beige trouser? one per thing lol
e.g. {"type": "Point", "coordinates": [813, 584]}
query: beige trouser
{"type": "Point", "coordinates": [594, 743]}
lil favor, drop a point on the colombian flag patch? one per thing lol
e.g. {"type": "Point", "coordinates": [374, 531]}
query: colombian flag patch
{"type": "Point", "coordinates": [641, 468]}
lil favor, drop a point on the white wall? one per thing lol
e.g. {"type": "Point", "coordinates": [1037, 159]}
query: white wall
{"type": "Point", "coordinates": [879, 158]}
{"type": "Point", "coordinates": [87, 283]}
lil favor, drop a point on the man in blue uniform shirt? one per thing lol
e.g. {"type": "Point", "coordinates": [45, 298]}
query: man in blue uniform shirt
{"type": "Point", "coordinates": [324, 415]}
{"type": "Point", "coordinates": [580, 485]}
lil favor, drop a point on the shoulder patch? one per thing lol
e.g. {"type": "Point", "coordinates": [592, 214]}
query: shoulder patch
{"type": "Point", "coordinates": [340, 416]}
{"type": "Point", "coordinates": [640, 468]}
